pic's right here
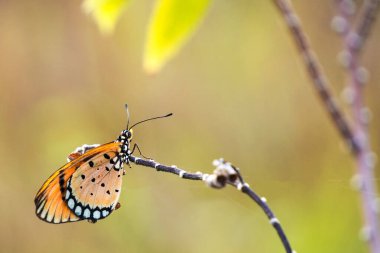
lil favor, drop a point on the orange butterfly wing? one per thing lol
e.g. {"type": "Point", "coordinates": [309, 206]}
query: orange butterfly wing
{"type": "Point", "coordinates": [94, 188]}
{"type": "Point", "coordinates": [50, 202]}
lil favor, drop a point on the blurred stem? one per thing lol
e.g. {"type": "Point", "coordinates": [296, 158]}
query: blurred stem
{"type": "Point", "coordinates": [320, 81]}
{"type": "Point", "coordinates": [353, 41]}
{"type": "Point", "coordinates": [224, 174]}
{"type": "Point", "coordinates": [358, 138]}
{"type": "Point", "coordinates": [367, 17]}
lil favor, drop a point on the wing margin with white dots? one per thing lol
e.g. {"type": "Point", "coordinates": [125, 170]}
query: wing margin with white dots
{"type": "Point", "coordinates": [50, 202]}
{"type": "Point", "coordinates": [94, 189]}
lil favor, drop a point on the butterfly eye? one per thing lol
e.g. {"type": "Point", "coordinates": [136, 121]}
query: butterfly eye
{"type": "Point", "coordinates": [129, 134]}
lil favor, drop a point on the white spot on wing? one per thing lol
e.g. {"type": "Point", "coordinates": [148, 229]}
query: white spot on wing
{"type": "Point", "coordinates": [78, 210]}
{"type": "Point", "coordinates": [71, 203]}
{"type": "Point", "coordinates": [105, 213]}
{"type": "Point", "coordinates": [86, 213]}
{"type": "Point", "coordinates": [96, 215]}
{"type": "Point", "coordinates": [118, 164]}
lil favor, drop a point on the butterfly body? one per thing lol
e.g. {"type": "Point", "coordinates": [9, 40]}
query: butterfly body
{"type": "Point", "coordinates": [87, 187]}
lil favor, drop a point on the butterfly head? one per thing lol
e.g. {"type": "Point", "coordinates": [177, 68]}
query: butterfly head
{"type": "Point", "coordinates": [125, 136]}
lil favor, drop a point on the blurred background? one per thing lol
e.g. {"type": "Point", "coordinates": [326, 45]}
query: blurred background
{"type": "Point", "coordinates": [238, 90]}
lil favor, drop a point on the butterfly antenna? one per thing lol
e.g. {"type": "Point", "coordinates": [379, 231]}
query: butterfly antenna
{"type": "Point", "coordinates": [160, 117]}
{"type": "Point", "coordinates": [126, 108]}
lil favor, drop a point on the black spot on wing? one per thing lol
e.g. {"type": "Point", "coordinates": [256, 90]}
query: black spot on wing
{"type": "Point", "coordinates": [62, 183]}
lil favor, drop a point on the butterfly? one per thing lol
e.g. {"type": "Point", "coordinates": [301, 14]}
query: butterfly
{"type": "Point", "coordinates": [88, 187]}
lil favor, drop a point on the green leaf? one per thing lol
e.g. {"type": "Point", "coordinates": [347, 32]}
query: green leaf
{"type": "Point", "coordinates": [172, 24]}
{"type": "Point", "coordinates": [105, 12]}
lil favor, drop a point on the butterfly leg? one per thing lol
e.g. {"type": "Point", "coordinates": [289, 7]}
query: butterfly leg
{"type": "Point", "coordinates": [80, 151]}
{"type": "Point", "coordinates": [138, 149]}
{"type": "Point", "coordinates": [129, 165]}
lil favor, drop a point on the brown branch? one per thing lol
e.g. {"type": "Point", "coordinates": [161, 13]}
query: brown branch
{"type": "Point", "coordinates": [224, 174]}
{"type": "Point", "coordinates": [366, 20]}
{"type": "Point", "coordinates": [320, 81]}
{"type": "Point", "coordinates": [353, 41]}
{"type": "Point", "coordinates": [357, 138]}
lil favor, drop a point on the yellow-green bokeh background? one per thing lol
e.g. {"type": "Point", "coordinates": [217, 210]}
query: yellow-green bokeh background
{"type": "Point", "coordinates": [238, 90]}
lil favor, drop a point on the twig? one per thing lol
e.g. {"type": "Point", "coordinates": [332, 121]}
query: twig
{"type": "Point", "coordinates": [366, 21]}
{"type": "Point", "coordinates": [357, 139]}
{"type": "Point", "coordinates": [225, 173]}
{"type": "Point", "coordinates": [320, 81]}
{"type": "Point", "coordinates": [354, 39]}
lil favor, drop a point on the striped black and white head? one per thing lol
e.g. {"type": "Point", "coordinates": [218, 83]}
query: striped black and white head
{"type": "Point", "coordinates": [125, 136]}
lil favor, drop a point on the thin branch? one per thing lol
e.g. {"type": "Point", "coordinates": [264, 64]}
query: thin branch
{"type": "Point", "coordinates": [358, 138]}
{"type": "Point", "coordinates": [320, 81]}
{"type": "Point", "coordinates": [366, 21]}
{"type": "Point", "coordinates": [164, 168]}
{"type": "Point", "coordinates": [353, 41]}
{"type": "Point", "coordinates": [225, 173]}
